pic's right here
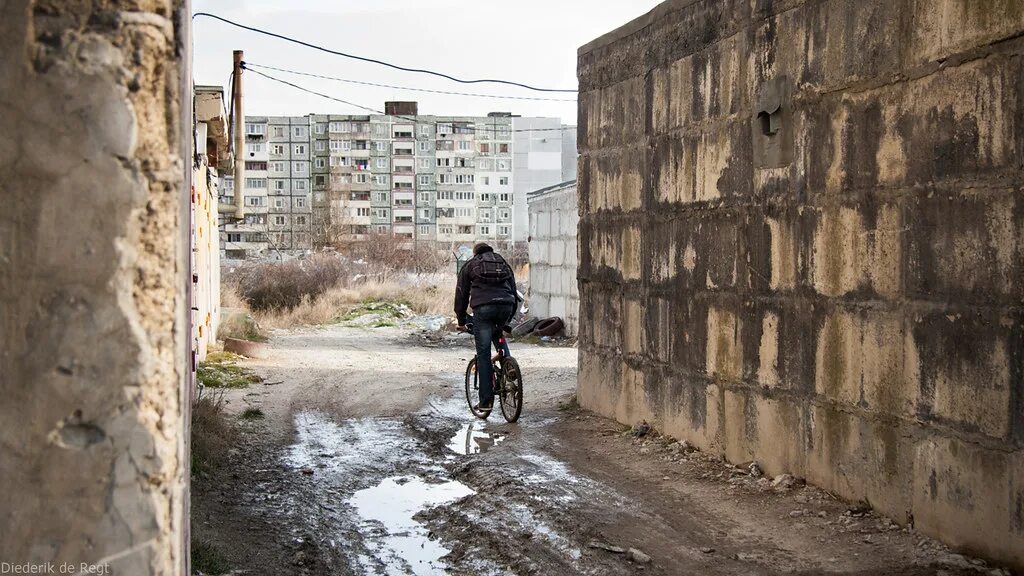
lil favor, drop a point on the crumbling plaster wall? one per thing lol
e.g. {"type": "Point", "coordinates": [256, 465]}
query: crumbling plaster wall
{"type": "Point", "coordinates": [841, 300]}
{"type": "Point", "coordinates": [92, 314]}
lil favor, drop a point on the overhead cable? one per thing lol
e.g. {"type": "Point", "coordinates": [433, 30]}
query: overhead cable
{"type": "Point", "coordinates": [364, 83]}
{"type": "Point", "coordinates": [374, 60]}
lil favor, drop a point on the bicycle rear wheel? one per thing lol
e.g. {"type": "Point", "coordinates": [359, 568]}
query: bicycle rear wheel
{"type": "Point", "coordinates": [511, 397]}
{"type": "Point", "coordinates": [473, 390]}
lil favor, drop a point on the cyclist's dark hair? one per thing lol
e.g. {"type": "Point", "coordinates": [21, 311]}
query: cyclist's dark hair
{"type": "Point", "coordinates": [481, 248]}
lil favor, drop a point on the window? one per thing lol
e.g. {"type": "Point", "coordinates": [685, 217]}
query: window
{"type": "Point", "coordinates": [467, 195]}
{"type": "Point", "coordinates": [503, 148]}
{"type": "Point", "coordinates": [445, 195]}
{"type": "Point", "coordinates": [381, 197]}
{"type": "Point", "coordinates": [484, 164]}
{"type": "Point", "coordinates": [320, 162]}
{"type": "Point", "coordinates": [504, 215]}
{"type": "Point", "coordinates": [300, 203]}
{"type": "Point", "coordinates": [255, 129]}
{"type": "Point", "coordinates": [444, 162]}
{"type": "Point", "coordinates": [320, 180]}
{"type": "Point", "coordinates": [502, 164]}
{"type": "Point", "coordinates": [380, 146]}
{"type": "Point", "coordinates": [280, 220]}
{"type": "Point", "coordinates": [503, 181]}
{"type": "Point", "coordinates": [255, 201]}
{"type": "Point", "coordinates": [485, 148]}
{"type": "Point", "coordinates": [425, 163]}
{"type": "Point", "coordinates": [254, 147]}
{"type": "Point", "coordinates": [300, 220]}
{"type": "Point", "coordinates": [277, 166]}
{"type": "Point", "coordinates": [424, 179]}
{"type": "Point", "coordinates": [486, 198]}
{"type": "Point", "coordinates": [485, 230]}
{"type": "Point", "coordinates": [381, 179]}
{"type": "Point", "coordinates": [255, 165]}
{"type": "Point", "coordinates": [300, 167]}
{"type": "Point", "coordinates": [339, 127]}
{"type": "Point", "coordinates": [445, 229]}
{"type": "Point", "coordinates": [424, 230]}
{"type": "Point", "coordinates": [256, 183]}
{"type": "Point", "coordinates": [465, 145]}
{"type": "Point", "coordinates": [424, 146]}
{"type": "Point", "coordinates": [299, 131]}
{"type": "Point", "coordinates": [321, 145]}
{"type": "Point", "coordinates": [463, 178]}
{"type": "Point", "coordinates": [503, 197]}
{"type": "Point", "coordinates": [362, 211]}
{"type": "Point", "coordinates": [444, 178]}
{"type": "Point", "coordinates": [300, 148]}
{"type": "Point", "coordinates": [504, 230]}
{"type": "Point", "coordinates": [278, 202]}
{"type": "Point", "coordinates": [279, 131]}
{"type": "Point", "coordinates": [503, 131]}
{"type": "Point", "coordinates": [277, 149]}
{"type": "Point", "coordinates": [444, 128]}
{"type": "Point", "coordinates": [425, 129]}
{"type": "Point", "coordinates": [463, 162]}
{"type": "Point", "coordinates": [425, 197]}
{"type": "Point", "coordinates": [382, 162]}
{"type": "Point", "coordinates": [487, 180]}
{"type": "Point", "coordinates": [463, 212]}
{"type": "Point", "coordinates": [321, 128]}
{"type": "Point", "coordinates": [362, 178]}
{"type": "Point", "coordinates": [425, 213]}
{"type": "Point", "coordinates": [279, 185]}
{"type": "Point", "coordinates": [403, 185]}
{"type": "Point", "coordinates": [300, 184]}
{"type": "Point", "coordinates": [346, 145]}
{"type": "Point", "coordinates": [236, 237]}
{"type": "Point", "coordinates": [485, 215]}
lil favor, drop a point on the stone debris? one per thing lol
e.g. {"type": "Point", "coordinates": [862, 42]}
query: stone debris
{"type": "Point", "coordinates": [707, 550]}
{"type": "Point", "coordinates": [638, 556]}
{"type": "Point", "coordinates": [606, 547]}
{"type": "Point", "coordinates": [641, 429]}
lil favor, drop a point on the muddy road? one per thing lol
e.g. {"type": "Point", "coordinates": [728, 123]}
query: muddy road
{"type": "Point", "coordinates": [368, 462]}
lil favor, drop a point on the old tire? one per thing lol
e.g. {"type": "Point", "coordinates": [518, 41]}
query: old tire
{"type": "Point", "coordinates": [525, 327]}
{"type": "Point", "coordinates": [549, 326]}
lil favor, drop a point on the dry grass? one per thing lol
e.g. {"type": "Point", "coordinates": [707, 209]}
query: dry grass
{"type": "Point", "coordinates": [212, 434]}
{"type": "Point", "coordinates": [427, 294]}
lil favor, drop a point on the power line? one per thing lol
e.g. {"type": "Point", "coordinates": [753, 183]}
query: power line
{"type": "Point", "coordinates": [311, 75]}
{"type": "Point", "coordinates": [245, 66]}
{"type": "Point", "coordinates": [373, 60]}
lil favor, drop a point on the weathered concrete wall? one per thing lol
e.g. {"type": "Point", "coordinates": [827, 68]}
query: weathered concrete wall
{"type": "Point", "coordinates": [93, 330]}
{"type": "Point", "coordinates": [554, 253]}
{"type": "Point", "coordinates": [842, 299]}
{"type": "Point", "coordinates": [205, 259]}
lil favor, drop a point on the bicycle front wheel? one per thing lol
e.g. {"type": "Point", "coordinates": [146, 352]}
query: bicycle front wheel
{"type": "Point", "coordinates": [511, 396]}
{"type": "Point", "coordinates": [473, 390]}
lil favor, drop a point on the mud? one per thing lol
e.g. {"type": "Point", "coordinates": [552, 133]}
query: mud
{"type": "Point", "coordinates": [369, 463]}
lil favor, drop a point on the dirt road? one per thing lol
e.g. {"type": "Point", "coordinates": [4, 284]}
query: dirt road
{"type": "Point", "coordinates": [368, 462]}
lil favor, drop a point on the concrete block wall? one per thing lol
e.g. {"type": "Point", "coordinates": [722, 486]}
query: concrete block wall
{"type": "Point", "coordinates": [553, 255]}
{"type": "Point", "coordinates": [842, 299]}
{"type": "Point", "coordinates": [93, 275]}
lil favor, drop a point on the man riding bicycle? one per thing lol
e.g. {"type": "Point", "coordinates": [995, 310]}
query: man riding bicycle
{"type": "Point", "coordinates": [486, 283]}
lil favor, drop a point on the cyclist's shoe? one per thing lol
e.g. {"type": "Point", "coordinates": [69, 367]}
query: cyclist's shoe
{"type": "Point", "coordinates": [481, 408]}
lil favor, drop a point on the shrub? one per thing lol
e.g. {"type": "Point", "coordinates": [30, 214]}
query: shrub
{"type": "Point", "coordinates": [284, 285]}
{"type": "Point", "coordinates": [212, 434]}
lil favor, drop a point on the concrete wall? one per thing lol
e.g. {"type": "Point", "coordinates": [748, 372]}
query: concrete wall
{"type": "Point", "coordinates": [553, 255]}
{"type": "Point", "coordinates": [842, 299]}
{"type": "Point", "coordinates": [93, 322]}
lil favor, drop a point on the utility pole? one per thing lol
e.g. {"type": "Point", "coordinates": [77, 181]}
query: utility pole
{"type": "Point", "coordinates": [236, 92]}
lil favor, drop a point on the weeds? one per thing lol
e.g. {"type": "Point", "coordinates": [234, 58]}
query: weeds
{"type": "Point", "coordinates": [252, 414]}
{"type": "Point", "coordinates": [207, 559]}
{"type": "Point", "coordinates": [212, 434]}
{"type": "Point", "coordinates": [286, 285]}
{"type": "Point", "coordinates": [220, 370]}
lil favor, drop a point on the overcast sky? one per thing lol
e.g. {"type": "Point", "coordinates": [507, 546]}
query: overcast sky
{"type": "Point", "coordinates": [528, 41]}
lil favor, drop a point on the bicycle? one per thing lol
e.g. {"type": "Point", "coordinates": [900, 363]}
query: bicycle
{"type": "Point", "coordinates": [507, 383]}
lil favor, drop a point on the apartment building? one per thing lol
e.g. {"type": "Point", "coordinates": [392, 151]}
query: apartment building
{"type": "Point", "coordinates": [328, 180]}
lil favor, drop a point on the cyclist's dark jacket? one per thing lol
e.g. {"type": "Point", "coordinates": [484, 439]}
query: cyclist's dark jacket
{"type": "Point", "coordinates": [486, 279]}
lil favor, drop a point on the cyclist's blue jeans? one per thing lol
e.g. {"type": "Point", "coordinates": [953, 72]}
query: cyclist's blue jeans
{"type": "Point", "coordinates": [487, 322]}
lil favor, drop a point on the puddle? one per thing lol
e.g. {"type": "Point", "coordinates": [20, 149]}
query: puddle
{"type": "Point", "coordinates": [404, 547]}
{"type": "Point", "coordinates": [351, 446]}
{"type": "Point", "coordinates": [473, 439]}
